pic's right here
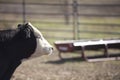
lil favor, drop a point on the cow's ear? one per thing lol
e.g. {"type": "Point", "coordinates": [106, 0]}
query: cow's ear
{"type": "Point", "coordinates": [19, 26]}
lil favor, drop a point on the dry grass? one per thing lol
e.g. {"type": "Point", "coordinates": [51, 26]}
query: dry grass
{"type": "Point", "coordinates": [51, 68]}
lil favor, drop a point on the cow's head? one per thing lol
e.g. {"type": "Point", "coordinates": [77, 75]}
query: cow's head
{"type": "Point", "coordinates": [42, 46]}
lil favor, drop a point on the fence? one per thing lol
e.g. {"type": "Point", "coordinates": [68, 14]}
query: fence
{"type": "Point", "coordinates": [65, 19]}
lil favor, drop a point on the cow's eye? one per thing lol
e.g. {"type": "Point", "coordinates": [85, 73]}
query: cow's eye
{"type": "Point", "coordinates": [39, 37]}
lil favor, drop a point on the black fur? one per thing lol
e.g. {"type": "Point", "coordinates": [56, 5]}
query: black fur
{"type": "Point", "coordinates": [15, 45]}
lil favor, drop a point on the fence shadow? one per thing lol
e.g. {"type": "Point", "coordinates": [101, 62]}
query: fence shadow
{"type": "Point", "coordinates": [61, 61]}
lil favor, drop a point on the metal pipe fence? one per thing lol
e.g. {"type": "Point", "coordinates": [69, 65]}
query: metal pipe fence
{"type": "Point", "coordinates": [74, 19]}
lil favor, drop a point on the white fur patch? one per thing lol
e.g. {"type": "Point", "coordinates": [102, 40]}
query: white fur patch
{"type": "Point", "coordinates": [43, 47]}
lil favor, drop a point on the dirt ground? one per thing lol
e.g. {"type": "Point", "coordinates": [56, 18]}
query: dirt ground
{"type": "Point", "coordinates": [52, 68]}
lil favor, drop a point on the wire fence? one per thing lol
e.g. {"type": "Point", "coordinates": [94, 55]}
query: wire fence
{"type": "Point", "coordinates": [65, 19]}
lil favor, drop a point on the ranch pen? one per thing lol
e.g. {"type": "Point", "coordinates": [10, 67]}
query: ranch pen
{"type": "Point", "coordinates": [76, 18]}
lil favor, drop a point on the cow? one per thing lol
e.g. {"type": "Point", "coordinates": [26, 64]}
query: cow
{"type": "Point", "coordinates": [23, 42]}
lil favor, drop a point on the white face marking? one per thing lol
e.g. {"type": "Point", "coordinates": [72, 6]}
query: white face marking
{"type": "Point", "coordinates": [43, 47]}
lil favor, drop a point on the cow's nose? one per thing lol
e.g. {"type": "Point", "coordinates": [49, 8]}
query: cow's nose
{"type": "Point", "coordinates": [51, 50]}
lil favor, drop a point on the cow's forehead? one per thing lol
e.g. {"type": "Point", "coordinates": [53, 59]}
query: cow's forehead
{"type": "Point", "coordinates": [36, 31]}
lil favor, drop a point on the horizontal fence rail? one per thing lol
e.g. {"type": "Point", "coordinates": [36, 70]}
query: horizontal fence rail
{"type": "Point", "coordinates": [75, 18]}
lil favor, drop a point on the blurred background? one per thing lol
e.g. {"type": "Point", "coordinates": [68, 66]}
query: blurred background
{"type": "Point", "coordinates": [65, 20]}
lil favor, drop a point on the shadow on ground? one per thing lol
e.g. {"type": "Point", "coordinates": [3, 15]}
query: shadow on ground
{"type": "Point", "coordinates": [61, 61]}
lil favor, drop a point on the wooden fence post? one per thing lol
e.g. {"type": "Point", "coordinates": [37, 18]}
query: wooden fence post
{"type": "Point", "coordinates": [24, 11]}
{"type": "Point", "coordinates": [75, 20]}
{"type": "Point", "coordinates": [66, 11]}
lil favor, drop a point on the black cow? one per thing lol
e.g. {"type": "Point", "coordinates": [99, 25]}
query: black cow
{"type": "Point", "coordinates": [17, 44]}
